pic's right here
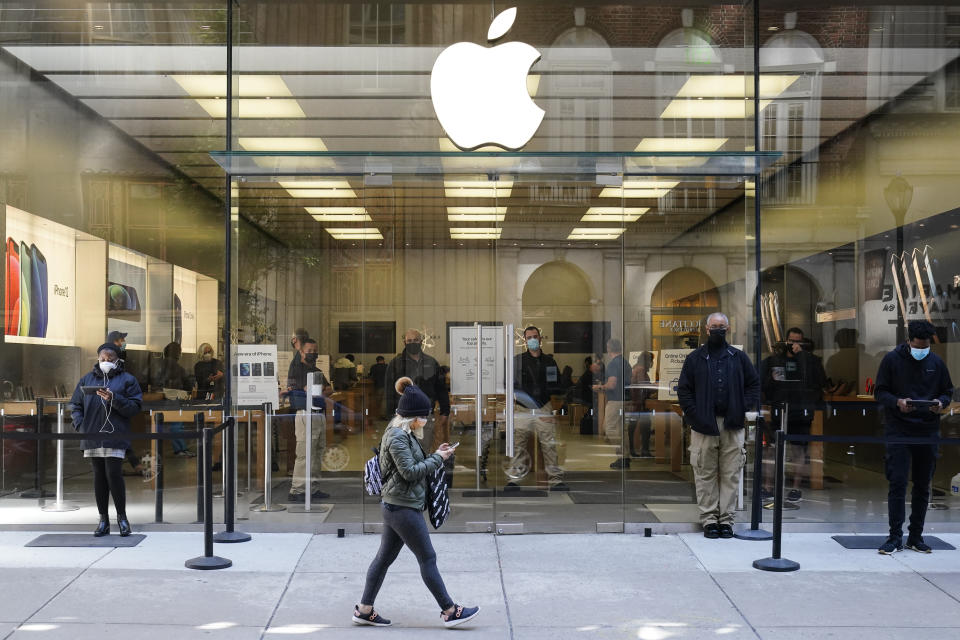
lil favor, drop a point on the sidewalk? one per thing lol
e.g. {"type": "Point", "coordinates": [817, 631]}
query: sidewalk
{"type": "Point", "coordinates": [530, 587]}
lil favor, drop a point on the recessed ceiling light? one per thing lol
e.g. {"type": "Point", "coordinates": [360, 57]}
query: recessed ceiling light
{"type": "Point", "coordinates": [282, 144]}
{"type": "Point", "coordinates": [339, 214]}
{"type": "Point", "coordinates": [205, 27]}
{"type": "Point", "coordinates": [355, 234]}
{"type": "Point", "coordinates": [710, 109]}
{"type": "Point", "coordinates": [613, 214]}
{"type": "Point", "coordinates": [475, 233]}
{"type": "Point", "coordinates": [254, 108]}
{"type": "Point", "coordinates": [98, 27]}
{"type": "Point", "coordinates": [735, 86]}
{"type": "Point", "coordinates": [595, 233]}
{"type": "Point", "coordinates": [479, 187]}
{"type": "Point", "coordinates": [476, 214]}
{"type": "Point", "coordinates": [681, 144]}
{"type": "Point", "coordinates": [215, 86]}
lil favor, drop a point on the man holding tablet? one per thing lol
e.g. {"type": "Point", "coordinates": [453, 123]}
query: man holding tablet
{"type": "Point", "coordinates": [914, 386]}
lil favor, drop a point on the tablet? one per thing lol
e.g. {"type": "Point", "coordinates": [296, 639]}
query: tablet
{"type": "Point", "coordinates": [89, 390]}
{"type": "Point", "coordinates": [922, 403]}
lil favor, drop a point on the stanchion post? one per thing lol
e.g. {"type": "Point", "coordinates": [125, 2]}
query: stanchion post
{"type": "Point", "coordinates": [775, 562]}
{"type": "Point", "coordinates": [756, 509]}
{"type": "Point", "coordinates": [268, 462]}
{"type": "Point", "coordinates": [38, 474]}
{"type": "Point", "coordinates": [60, 505]}
{"type": "Point", "coordinates": [230, 490]}
{"type": "Point", "coordinates": [198, 426]}
{"type": "Point", "coordinates": [158, 465]}
{"type": "Point", "coordinates": [207, 560]}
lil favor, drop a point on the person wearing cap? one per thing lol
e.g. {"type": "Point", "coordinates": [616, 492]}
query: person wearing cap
{"type": "Point", "coordinates": [404, 469]}
{"type": "Point", "coordinates": [108, 411]}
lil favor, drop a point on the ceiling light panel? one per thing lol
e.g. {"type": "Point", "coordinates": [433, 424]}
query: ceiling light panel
{"type": "Point", "coordinates": [282, 144]}
{"type": "Point", "coordinates": [475, 233]}
{"type": "Point", "coordinates": [339, 214]}
{"type": "Point", "coordinates": [710, 108]}
{"type": "Point", "coordinates": [613, 214]}
{"type": "Point", "coordinates": [681, 144]}
{"type": "Point", "coordinates": [254, 108]}
{"type": "Point", "coordinates": [355, 234]}
{"type": "Point", "coordinates": [215, 86]}
{"type": "Point", "coordinates": [728, 86]}
{"type": "Point", "coordinates": [595, 233]}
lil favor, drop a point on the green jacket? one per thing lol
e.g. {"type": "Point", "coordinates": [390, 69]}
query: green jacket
{"type": "Point", "coordinates": [404, 469]}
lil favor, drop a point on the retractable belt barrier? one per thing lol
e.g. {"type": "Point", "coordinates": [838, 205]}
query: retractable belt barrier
{"type": "Point", "coordinates": [204, 435]}
{"type": "Point", "coordinates": [781, 437]}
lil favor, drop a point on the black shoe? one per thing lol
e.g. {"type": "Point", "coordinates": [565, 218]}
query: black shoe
{"type": "Point", "coordinates": [917, 544]}
{"type": "Point", "coordinates": [296, 498]}
{"type": "Point", "coordinates": [124, 525]}
{"type": "Point", "coordinates": [560, 486]}
{"type": "Point", "coordinates": [372, 619]}
{"type": "Point", "coordinates": [891, 546]}
{"type": "Point", "coordinates": [103, 529]}
{"type": "Point", "coordinates": [274, 466]}
{"type": "Point", "coordinates": [511, 486]}
{"type": "Point", "coordinates": [766, 494]}
{"type": "Point", "coordinates": [726, 531]}
{"type": "Point", "coordinates": [711, 530]}
{"type": "Point", "coordinates": [620, 463]}
{"type": "Point", "coordinates": [794, 496]}
{"type": "Point", "coordinates": [319, 495]}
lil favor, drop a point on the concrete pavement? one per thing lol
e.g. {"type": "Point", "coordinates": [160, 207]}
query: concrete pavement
{"type": "Point", "coordinates": [536, 587]}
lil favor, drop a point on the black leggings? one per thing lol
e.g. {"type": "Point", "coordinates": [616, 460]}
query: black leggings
{"type": "Point", "coordinates": [107, 481]}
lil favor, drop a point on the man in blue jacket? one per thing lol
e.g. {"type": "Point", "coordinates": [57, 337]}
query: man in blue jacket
{"type": "Point", "coordinates": [914, 386]}
{"type": "Point", "coordinates": [717, 385]}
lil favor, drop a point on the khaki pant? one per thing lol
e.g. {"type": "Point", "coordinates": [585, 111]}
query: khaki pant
{"type": "Point", "coordinates": [319, 424]}
{"type": "Point", "coordinates": [613, 421]}
{"type": "Point", "coordinates": [544, 428]}
{"type": "Point", "coordinates": [716, 462]}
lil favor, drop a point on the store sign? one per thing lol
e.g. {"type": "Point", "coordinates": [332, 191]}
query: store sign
{"type": "Point", "coordinates": [671, 363]}
{"type": "Point", "coordinates": [480, 94]}
{"type": "Point", "coordinates": [463, 361]}
{"type": "Point", "coordinates": [255, 374]}
{"type": "Point", "coordinates": [667, 325]}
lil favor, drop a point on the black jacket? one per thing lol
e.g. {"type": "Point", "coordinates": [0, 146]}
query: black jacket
{"type": "Point", "coordinates": [538, 378]}
{"type": "Point", "coordinates": [901, 376]}
{"type": "Point", "coordinates": [425, 373]}
{"type": "Point", "coordinates": [90, 413]}
{"type": "Point", "coordinates": [695, 391]}
{"type": "Point", "coordinates": [803, 396]}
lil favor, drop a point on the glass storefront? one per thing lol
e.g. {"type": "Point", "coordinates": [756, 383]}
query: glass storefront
{"type": "Point", "coordinates": [246, 175]}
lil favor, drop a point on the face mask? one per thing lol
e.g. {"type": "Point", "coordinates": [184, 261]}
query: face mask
{"type": "Point", "coordinates": [207, 357]}
{"type": "Point", "coordinates": [310, 358]}
{"type": "Point", "coordinates": [107, 366]}
{"type": "Point", "coordinates": [123, 345]}
{"type": "Point", "coordinates": [717, 336]}
{"type": "Point", "coordinates": [533, 344]}
{"type": "Point", "coordinates": [413, 348]}
{"type": "Point", "coordinates": [919, 354]}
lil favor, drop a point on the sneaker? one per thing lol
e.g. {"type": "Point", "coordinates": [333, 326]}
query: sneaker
{"type": "Point", "coordinates": [711, 530]}
{"type": "Point", "coordinates": [892, 545]}
{"type": "Point", "coordinates": [794, 496]}
{"type": "Point", "coordinates": [917, 544]}
{"type": "Point", "coordinates": [726, 531]}
{"type": "Point", "coordinates": [459, 615]}
{"type": "Point", "coordinates": [372, 619]}
{"type": "Point", "coordinates": [296, 498]}
{"type": "Point", "coordinates": [620, 463]}
{"type": "Point", "coordinates": [560, 486]}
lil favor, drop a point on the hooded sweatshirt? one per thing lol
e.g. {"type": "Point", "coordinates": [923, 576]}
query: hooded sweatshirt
{"type": "Point", "coordinates": [902, 376]}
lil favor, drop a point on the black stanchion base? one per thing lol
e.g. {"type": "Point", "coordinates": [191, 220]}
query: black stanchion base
{"type": "Point", "coordinates": [752, 534]}
{"type": "Point", "coordinates": [231, 536]}
{"type": "Point", "coordinates": [204, 563]}
{"type": "Point", "coordinates": [779, 565]}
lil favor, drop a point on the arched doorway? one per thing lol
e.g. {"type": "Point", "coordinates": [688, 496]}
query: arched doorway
{"type": "Point", "coordinates": [556, 294]}
{"type": "Point", "coordinates": [678, 305]}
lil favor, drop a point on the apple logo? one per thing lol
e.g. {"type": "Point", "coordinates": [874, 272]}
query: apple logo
{"type": "Point", "coordinates": [480, 93]}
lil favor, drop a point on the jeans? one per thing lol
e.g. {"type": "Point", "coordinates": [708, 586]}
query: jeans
{"type": "Point", "coordinates": [405, 526]}
{"type": "Point", "coordinates": [898, 462]}
{"type": "Point", "coordinates": [178, 444]}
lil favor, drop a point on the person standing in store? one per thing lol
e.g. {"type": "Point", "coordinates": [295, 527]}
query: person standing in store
{"type": "Point", "coordinates": [208, 372]}
{"type": "Point", "coordinates": [170, 375]}
{"type": "Point", "coordinates": [425, 372]}
{"type": "Point", "coordinates": [535, 378]}
{"type": "Point", "coordinates": [794, 376]}
{"type": "Point", "coordinates": [619, 374]}
{"type": "Point", "coordinates": [717, 385]}
{"type": "Point", "coordinates": [108, 411]}
{"type": "Point", "coordinates": [300, 336]}
{"type": "Point", "coordinates": [119, 340]}
{"type": "Point", "coordinates": [640, 392]}
{"type": "Point", "coordinates": [298, 400]}
{"type": "Point", "coordinates": [378, 374]}
{"type": "Point", "coordinates": [404, 469]}
{"type": "Point", "coordinates": [914, 386]}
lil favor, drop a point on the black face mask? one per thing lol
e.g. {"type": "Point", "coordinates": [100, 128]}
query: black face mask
{"type": "Point", "coordinates": [310, 358]}
{"type": "Point", "coordinates": [413, 348]}
{"type": "Point", "coordinates": [716, 337]}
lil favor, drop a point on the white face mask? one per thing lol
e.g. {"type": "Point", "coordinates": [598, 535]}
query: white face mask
{"type": "Point", "coordinates": [207, 357]}
{"type": "Point", "coordinates": [106, 366]}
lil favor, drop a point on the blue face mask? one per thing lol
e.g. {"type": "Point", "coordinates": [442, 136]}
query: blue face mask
{"type": "Point", "coordinates": [919, 354]}
{"type": "Point", "coordinates": [533, 344]}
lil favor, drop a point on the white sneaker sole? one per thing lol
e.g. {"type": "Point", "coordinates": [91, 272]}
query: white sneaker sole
{"type": "Point", "coordinates": [457, 623]}
{"type": "Point", "coordinates": [369, 623]}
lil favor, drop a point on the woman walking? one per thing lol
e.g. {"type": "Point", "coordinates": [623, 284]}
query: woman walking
{"type": "Point", "coordinates": [116, 399]}
{"type": "Point", "coordinates": [404, 469]}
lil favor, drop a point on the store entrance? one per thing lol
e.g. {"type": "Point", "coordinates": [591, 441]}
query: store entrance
{"type": "Point", "coordinates": [513, 289]}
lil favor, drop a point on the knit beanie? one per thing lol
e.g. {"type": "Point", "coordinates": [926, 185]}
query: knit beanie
{"type": "Point", "coordinates": [414, 403]}
{"type": "Point", "coordinates": [108, 346]}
